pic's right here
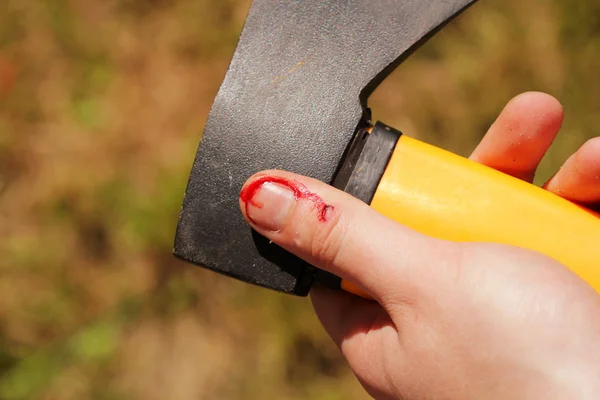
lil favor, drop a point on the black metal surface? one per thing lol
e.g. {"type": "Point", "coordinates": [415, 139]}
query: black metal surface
{"type": "Point", "coordinates": [293, 97]}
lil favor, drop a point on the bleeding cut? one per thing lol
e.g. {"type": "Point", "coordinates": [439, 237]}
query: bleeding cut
{"type": "Point", "coordinates": [301, 192]}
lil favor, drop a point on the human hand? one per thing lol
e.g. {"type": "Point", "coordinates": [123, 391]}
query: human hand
{"type": "Point", "coordinates": [450, 320]}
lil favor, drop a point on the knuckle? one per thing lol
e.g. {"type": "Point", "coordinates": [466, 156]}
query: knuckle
{"type": "Point", "coordinates": [328, 239]}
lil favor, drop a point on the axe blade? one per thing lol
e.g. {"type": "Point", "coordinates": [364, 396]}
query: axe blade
{"type": "Point", "coordinates": [293, 98]}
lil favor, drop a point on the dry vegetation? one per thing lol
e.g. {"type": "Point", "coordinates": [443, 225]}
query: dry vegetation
{"type": "Point", "coordinates": [102, 105]}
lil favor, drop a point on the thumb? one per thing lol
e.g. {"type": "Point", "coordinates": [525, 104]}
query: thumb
{"type": "Point", "coordinates": [340, 234]}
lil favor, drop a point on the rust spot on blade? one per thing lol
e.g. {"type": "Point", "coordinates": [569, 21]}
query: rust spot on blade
{"type": "Point", "coordinates": [280, 78]}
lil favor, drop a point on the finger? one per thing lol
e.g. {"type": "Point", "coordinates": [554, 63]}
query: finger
{"type": "Point", "coordinates": [364, 333]}
{"type": "Point", "coordinates": [336, 232]}
{"type": "Point", "coordinates": [520, 137]}
{"type": "Point", "coordinates": [579, 178]}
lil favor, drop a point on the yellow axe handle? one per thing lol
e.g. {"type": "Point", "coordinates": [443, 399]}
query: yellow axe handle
{"type": "Point", "coordinates": [449, 197]}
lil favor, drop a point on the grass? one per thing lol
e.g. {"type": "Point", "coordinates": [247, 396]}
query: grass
{"type": "Point", "coordinates": [101, 108]}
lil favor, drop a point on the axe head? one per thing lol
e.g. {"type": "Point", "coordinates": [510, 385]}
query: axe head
{"type": "Point", "coordinates": [294, 97]}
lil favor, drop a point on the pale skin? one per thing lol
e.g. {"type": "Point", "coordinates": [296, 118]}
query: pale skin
{"type": "Point", "coordinates": [452, 320]}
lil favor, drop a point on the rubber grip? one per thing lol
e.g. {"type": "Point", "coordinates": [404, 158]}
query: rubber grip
{"type": "Point", "coordinates": [446, 196]}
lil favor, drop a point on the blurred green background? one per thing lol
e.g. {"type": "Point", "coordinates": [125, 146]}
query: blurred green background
{"type": "Point", "coordinates": [102, 104]}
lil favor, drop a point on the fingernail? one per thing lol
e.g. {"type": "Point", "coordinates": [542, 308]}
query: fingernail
{"type": "Point", "coordinates": [270, 206]}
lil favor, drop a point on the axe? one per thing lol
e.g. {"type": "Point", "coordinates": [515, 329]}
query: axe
{"type": "Point", "coordinates": [295, 98]}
